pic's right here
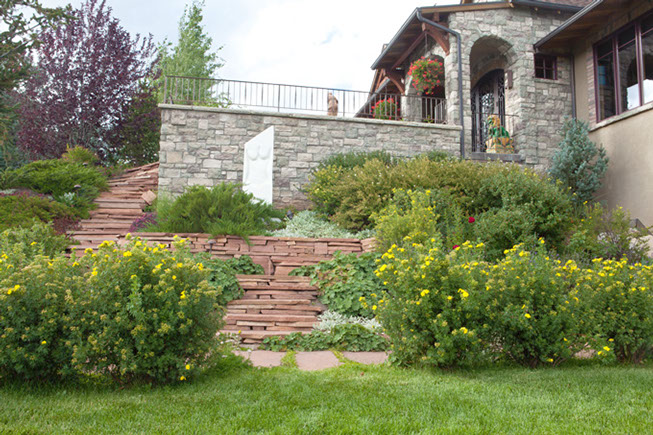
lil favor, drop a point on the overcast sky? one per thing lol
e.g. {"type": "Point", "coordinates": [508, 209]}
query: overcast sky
{"type": "Point", "coordinates": [327, 44]}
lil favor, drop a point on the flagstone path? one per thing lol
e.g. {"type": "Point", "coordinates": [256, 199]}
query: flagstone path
{"type": "Point", "coordinates": [310, 361]}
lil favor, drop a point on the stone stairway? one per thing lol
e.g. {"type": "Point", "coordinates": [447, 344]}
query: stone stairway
{"type": "Point", "coordinates": [272, 305]}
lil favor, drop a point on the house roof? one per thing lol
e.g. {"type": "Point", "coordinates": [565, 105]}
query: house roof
{"type": "Point", "coordinates": [578, 3]}
{"type": "Point", "coordinates": [411, 30]}
{"type": "Point", "coordinates": [581, 24]}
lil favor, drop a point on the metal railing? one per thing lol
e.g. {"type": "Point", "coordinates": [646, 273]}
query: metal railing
{"type": "Point", "coordinates": [480, 134]}
{"type": "Point", "coordinates": [302, 99]}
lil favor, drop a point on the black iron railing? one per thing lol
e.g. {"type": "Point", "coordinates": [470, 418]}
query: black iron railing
{"type": "Point", "coordinates": [302, 99]}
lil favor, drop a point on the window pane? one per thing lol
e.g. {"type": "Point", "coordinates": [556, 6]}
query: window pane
{"type": "Point", "coordinates": [605, 76]}
{"type": "Point", "coordinates": [627, 36]}
{"type": "Point", "coordinates": [604, 48]}
{"type": "Point", "coordinates": [647, 50]}
{"type": "Point", "coordinates": [647, 24]}
{"type": "Point", "coordinates": [628, 82]}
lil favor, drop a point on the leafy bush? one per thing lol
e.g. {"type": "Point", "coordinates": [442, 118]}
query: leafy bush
{"type": "Point", "coordinates": [36, 306]}
{"type": "Point", "coordinates": [607, 235]}
{"type": "Point", "coordinates": [309, 224]}
{"type": "Point", "coordinates": [579, 163]}
{"type": "Point", "coordinates": [619, 297]}
{"type": "Point", "coordinates": [415, 215]}
{"type": "Point", "coordinates": [39, 239]}
{"type": "Point", "coordinates": [136, 314]}
{"type": "Point", "coordinates": [244, 265]}
{"type": "Point", "coordinates": [24, 210]}
{"type": "Point", "coordinates": [222, 209]}
{"type": "Point", "coordinates": [148, 220]}
{"type": "Point", "coordinates": [355, 159]}
{"type": "Point", "coordinates": [426, 310]}
{"type": "Point", "coordinates": [348, 337]}
{"type": "Point", "coordinates": [222, 274]}
{"type": "Point", "coordinates": [146, 313]}
{"type": "Point", "coordinates": [532, 315]}
{"type": "Point", "coordinates": [451, 308]}
{"type": "Point", "coordinates": [344, 281]}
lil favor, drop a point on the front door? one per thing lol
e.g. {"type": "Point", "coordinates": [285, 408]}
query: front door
{"type": "Point", "coordinates": [488, 98]}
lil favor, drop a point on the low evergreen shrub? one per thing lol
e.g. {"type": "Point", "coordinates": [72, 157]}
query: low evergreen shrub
{"type": "Point", "coordinates": [219, 210]}
{"type": "Point", "coordinates": [24, 210]}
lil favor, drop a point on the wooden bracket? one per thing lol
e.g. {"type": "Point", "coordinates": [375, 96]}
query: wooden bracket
{"type": "Point", "coordinates": [395, 78]}
{"type": "Point", "coordinates": [440, 37]}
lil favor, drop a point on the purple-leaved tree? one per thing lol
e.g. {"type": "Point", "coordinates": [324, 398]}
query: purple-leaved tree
{"type": "Point", "coordinates": [88, 72]}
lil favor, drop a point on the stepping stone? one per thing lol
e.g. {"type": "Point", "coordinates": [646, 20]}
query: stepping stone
{"type": "Point", "coordinates": [262, 358]}
{"type": "Point", "coordinates": [366, 357]}
{"type": "Point", "coordinates": [316, 360]}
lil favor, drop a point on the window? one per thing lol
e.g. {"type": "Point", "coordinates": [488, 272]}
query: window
{"type": "Point", "coordinates": [545, 67]}
{"type": "Point", "coordinates": [624, 69]}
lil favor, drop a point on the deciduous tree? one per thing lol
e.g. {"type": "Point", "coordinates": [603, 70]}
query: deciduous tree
{"type": "Point", "coordinates": [88, 72]}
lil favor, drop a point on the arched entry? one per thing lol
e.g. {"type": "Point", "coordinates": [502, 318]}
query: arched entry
{"type": "Point", "coordinates": [488, 98]}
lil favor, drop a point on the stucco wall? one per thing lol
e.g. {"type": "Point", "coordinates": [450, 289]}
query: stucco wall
{"type": "Point", "coordinates": [628, 140]}
{"type": "Point", "coordinates": [205, 146]}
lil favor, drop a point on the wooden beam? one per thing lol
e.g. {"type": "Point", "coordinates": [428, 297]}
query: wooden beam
{"type": "Point", "coordinates": [409, 50]}
{"type": "Point", "coordinates": [395, 78]}
{"type": "Point", "coordinates": [440, 37]}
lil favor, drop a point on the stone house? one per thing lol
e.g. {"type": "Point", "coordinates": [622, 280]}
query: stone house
{"type": "Point", "coordinates": [532, 63]}
{"type": "Point", "coordinates": [498, 71]}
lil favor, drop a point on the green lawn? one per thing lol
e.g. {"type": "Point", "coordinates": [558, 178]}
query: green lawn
{"type": "Point", "coordinates": [349, 399]}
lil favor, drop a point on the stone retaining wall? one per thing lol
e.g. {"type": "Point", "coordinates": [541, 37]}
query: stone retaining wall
{"type": "Point", "coordinates": [202, 145]}
{"type": "Point", "coordinates": [277, 255]}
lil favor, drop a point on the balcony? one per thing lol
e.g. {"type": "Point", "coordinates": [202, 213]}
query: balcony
{"type": "Point", "coordinates": [280, 98]}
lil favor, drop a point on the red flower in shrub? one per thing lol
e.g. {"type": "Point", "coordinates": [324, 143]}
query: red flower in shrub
{"type": "Point", "coordinates": [471, 220]}
{"type": "Point", "coordinates": [455, 246]}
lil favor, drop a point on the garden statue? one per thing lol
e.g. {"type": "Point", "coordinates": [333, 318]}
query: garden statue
{"type": "Point", "coordinates": [499, 140]}
{"type": "Point", "coordinates": [332, 105]}
{"type": "Point", "coordinates": [258, 162]}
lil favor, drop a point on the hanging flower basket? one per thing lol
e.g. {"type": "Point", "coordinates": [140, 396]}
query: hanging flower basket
{"type": "Point", "coordinates": [428, 75]}
{"type": "Point", "coordinates": [386, 109]}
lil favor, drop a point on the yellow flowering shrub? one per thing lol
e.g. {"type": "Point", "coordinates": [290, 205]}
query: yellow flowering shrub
{"type": "Point", "coordinates": [620, 308]}
{"type": "Point", "coordinates": [530, 308]}
{"type": "Point", "coordinates": [35, 314]}
{"type": "Point", "coordinates": [428, 310]}
{"type": "Point", "coordinates": [148, 313]}
{"type": "Point", "coordinates": [137, 313]}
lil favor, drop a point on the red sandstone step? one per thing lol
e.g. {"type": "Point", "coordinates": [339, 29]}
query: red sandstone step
{"type": "Point", "coordinates": [269, 318]}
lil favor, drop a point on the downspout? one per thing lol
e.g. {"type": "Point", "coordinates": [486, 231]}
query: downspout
{"type": "Point", "coordinates": [460, 75]}
{"type": "Point", "coordinates": [572, 59]}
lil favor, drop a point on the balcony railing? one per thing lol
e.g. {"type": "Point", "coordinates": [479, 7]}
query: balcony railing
{"type": "Point", "coordinates": [302, 99]}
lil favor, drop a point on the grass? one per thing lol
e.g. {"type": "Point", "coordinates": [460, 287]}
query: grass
{"type": "Point", "coordinates": [348, 399]}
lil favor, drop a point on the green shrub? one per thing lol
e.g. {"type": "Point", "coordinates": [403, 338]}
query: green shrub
{"type": "Point", "coordinates": [426, 310]}
{"type": "Point", "coordinates": [80, 155]}
{"type": "Point", "coordinates": [147, 314]}
{"type": "Point", "coordinates": [222, 209]}
{"type": "Point", "coordinates": [222, 275]}
{"type": "Point", "coordinates": [579, 163]}
{"type": "Point", "coordinates": [35, 314]}
{"type": "Point", "coordinates": [328, 173]}
{"type": "Point", "coordinates": [415, 215]}
{"type": "Point", "coordinates": [39, 239]}
{"type": "Point", "coordinates": [607, 235]}
{"type": "Point", "coordinates": [23, 210]}
{"type": "Point", "coordinates": [619, 297]}
{"type": "Point", "coordinates": [503, 228]}
{"type": "Point", "coordinates": [59, 178]}
{"type": "Point", "coordinates": [345, 280]}
{"type": "Point", "coordinates": [348, 337]}
{"type": "Point", "coordinates": [530, 309]}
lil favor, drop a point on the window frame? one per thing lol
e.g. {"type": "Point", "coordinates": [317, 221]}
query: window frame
{"type": "Point", "coordinates": [613, 38]}
{"type": "Point", "coordinates": [546, 58]}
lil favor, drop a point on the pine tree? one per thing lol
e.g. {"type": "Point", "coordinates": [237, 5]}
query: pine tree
{"type": "Point", "coordinates": [579, 163]}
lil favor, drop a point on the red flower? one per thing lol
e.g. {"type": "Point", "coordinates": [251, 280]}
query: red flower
{"type": "Point", "coordinates": [471, 220]}
{"type": "Point", "coordinates": [455, 246]}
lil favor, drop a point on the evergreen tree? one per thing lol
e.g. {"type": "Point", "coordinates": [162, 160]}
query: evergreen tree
{"type": "Point", "coordinates": [193, 56]}
{"type": "Point", "coordinates": [579, 163]}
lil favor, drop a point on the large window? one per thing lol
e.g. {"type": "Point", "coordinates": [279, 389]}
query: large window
{"type": "Point", "coordinates": [624, 69]}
